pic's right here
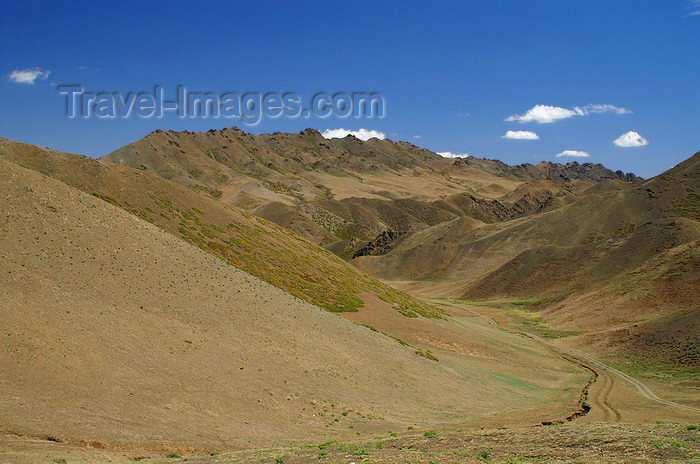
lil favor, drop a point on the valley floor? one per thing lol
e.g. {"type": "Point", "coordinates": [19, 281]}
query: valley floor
{"type": "Point", "coordinates": [605, 417]}
{"type": "Point", "coordinates": [567, 443]}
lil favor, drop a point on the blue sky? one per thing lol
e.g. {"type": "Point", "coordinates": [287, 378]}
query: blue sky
{"type": "Point", "coordinates": [451, 73]}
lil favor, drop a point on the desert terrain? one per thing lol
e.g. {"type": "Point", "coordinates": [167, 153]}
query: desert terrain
{"type": "Point", "coordinates": [226, 297]}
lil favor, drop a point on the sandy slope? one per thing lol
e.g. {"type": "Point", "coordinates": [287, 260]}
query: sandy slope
{"type": "Point", "coordinates": [612, 258]}
{"type": "Point", "coordinates": [114, 331]}
{"type": "Point", "coordinates": [259, 247]}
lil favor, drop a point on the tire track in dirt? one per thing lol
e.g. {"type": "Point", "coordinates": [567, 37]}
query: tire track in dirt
{"type": "Point", "coordinates": [609, 384]}
{"type": "Point", "coordinates": [643, 389]}
{"type": "Point", "coordinates": [598, 396]}
{"type": "Point", "coordinates": [589, 361]}
{"type": "Point", "coordinates": [603, 370]}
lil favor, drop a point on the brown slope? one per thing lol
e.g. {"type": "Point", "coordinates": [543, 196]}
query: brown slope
{"type": "Point", "coordinates": [261, 248]}
{"type": "Point", "coordinates": [304, 181]}
{"type": "Point", "coordinates": [687, 167]}
{"type": "Point", "coordinates": [546, 170]}
{"type": "Point", "coordinates": [622, 230]}
{"type": "Point", "coordinates": [117, 333]}
{"type": "Point", "coordinates": [614, 257]}
{"type": "Point", "coordinates": [465, 252]}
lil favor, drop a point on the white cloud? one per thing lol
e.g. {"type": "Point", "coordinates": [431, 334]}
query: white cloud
{"type": "Point", "coordinates": [573, 153]}
{"type": "Point", "coordinates": [362, 134]}
{"type": "Point", "coordinates": [417, 136]}
{"type": "Point", "coordinates": [588, 109]}
{"type": "Point", "coordinates": [521, 135]}
{"type": "Point", "coordinates": [631, 139]}
{"type": "Point", "coordinates": [447, 154]}
{"type": "Point", "coordinates": [28, 76]}
{"type": "Point", "coordinates": [543, 114]}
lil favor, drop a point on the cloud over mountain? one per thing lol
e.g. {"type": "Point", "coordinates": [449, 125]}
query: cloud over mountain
{"type": "Point", "coordinates": [573, 153]}
{"type": "Point", "coordinates": [447, 154]}
{"type": "Point", "coordinates": [362, 134]}
{"type": "Point", "coordinates": [631, 139]}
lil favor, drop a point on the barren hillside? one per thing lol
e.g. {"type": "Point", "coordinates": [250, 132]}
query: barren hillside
{"type": "Point", "coordinates": [259, 247]}
{"type": "Point", "coordinates": [117, 333]}
{"type": "Point", "coordinates": [613, 257]}
{"type": "Point", "coordinates": [344, 192]}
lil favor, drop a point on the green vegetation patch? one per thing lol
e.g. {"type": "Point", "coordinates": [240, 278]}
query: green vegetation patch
{"type": "Point", "coordinates": [278, 257]}
{"type": "Point", "coordinates": [647, 367]}
{"type": "Point", "coordinates": [427, 354]}
{"type": "Point", "coordinates": [515, 382]}
{"type": "Point", "coordinates": [540, 302]}
{"type": "Point", "coordinates": [106, 198]}
{"type": "Point", "coordinates": [592, 238]}
{"type": "Point", "coordinates": [538, 326]}
{"type": "Point", "coordinates": [688, 207]}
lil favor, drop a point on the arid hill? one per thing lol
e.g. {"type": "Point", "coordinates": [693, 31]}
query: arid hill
{"type": "Point", "coordinates": [115, 331]}
{"type": "Point", "coordinates": [259, 247]}
{"type": "Point", "coordinates": [342, 193]}
{"type": "Point", "coordinates": [598, 249]}
{"type": "Point", "coordinates": [134, 320]}
{"type": "Point", "coordinates": [612, 258]}
{"type": "Point", "coordinates": [119, 334]}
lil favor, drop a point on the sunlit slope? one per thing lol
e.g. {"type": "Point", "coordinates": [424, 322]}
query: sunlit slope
{"type": "Point", "coordinates": [614, 258]}
{"type": "Point", "coordinates": [606, 237]}
{"type": "Point", "coordinates": [117, 332]}
{"type": "Point", "coordinates": [583, 243]}
{"type": "Point", "coordinates": [340, 191]}
{"type": "Point", "coordinates": [259, 247]}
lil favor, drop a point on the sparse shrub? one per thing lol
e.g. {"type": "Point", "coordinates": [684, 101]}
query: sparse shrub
{"type": "Point", "coordinates": [322, 454]}
{"type": "Point", "coordinates": [483, 455]}
{"type": "Point", "coordinates": [427, 354]}
{"type": "Point", "coordinates": [692, 427]}
{"type": "Point", "coordinates": [279, 460]}
{"type": "Point", "coordinates": [327, 444]}
{"type": "Point", "coordinates": [174, 455]}
{"type": "Point", "coordinates": [430, 434]}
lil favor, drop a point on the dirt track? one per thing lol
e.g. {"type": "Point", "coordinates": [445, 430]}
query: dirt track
{"type": "Point", "coordinates": [643, 389]}
{"type": "Point", "coordinates": [605, 372]}
{"type": "Point", "coordinates": [604, 379]}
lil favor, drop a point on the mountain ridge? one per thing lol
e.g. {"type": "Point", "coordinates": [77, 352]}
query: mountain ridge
{"type": "Point", "coordinates": [342, 193]}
